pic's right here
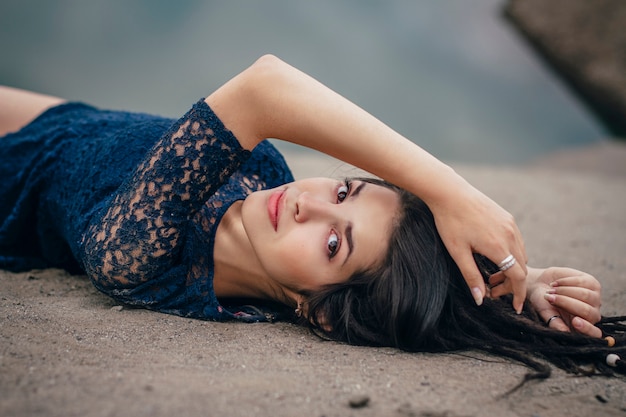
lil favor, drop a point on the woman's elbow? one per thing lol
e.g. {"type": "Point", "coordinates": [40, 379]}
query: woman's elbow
{"type": "Point", "coordinates": [266, 77]}
{"type": "Point", "coordinates": [105, 274]}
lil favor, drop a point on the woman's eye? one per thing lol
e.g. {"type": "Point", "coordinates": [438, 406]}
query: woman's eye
{"type": "Point", "coordinates": [342, 193]}
{"type": "Point", "coordinates": [333, 245]}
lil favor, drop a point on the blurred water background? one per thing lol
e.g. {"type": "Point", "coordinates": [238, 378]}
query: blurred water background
{"type": "Point", "coordinates": [453, 75]}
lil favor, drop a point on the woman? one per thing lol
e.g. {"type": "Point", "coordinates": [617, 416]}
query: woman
{"type": "Point", "coordinates": [175, 217]}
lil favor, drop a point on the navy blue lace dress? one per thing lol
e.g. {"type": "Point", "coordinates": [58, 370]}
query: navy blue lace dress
{"type": "Point", "coordinates": [130, 199]}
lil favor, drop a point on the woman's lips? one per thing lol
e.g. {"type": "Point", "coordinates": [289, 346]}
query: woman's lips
{"type": "Point", "coordinates": [274, 207]}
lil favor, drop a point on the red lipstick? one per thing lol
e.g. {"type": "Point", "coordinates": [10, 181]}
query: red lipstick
{"type": "Point", "coordinates": [274, 207]}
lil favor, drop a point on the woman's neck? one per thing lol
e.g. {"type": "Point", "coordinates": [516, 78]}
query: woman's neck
{"type": "Point", "coordinates": [237, 271]}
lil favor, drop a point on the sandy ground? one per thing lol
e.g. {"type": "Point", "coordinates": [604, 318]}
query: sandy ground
{"type": "Point", "coordinates": [66, 350]}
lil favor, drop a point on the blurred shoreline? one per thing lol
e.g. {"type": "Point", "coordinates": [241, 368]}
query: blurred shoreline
{"type": "Point", "coordinates": [454, 76]}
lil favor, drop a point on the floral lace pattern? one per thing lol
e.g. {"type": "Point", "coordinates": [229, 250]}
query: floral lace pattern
{"type": "Point", "coordinates": [152, 246]}
{"type": "Point", "coordinates": [131, 199]}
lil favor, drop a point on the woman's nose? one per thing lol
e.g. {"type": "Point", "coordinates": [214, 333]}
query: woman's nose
{"type": "Point", "coordinates": [308, 207]}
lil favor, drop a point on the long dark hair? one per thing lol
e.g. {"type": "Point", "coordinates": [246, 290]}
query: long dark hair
{"type": "Point", "coordinates": [417, 300]}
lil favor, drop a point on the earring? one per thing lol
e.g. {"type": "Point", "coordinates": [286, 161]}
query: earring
{"type": "Point", "coordinates": [298, 310]}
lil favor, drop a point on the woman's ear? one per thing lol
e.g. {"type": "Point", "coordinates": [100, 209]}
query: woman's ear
{"type": "Point", "coordinates": [299, 311]}
{"type": "Point", "coordinates": [302, 312]}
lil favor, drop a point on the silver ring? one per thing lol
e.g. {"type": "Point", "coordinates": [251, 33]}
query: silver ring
{"type": "Point", "coordinates": [507, 263]}
{"type": "Point", "coordinates": [552, 318]}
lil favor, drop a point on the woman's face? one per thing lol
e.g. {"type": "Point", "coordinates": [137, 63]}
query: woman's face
{"type": "Point", "coordinates": [319, 231]}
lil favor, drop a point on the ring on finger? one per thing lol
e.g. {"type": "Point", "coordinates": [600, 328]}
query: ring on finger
{"type": "Point", "coordinates": [507, 263]}
{"type": "Point", "coordinates": [556, 316]}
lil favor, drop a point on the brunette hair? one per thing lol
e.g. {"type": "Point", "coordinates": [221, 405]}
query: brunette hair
{"type": "Point", "coordinates": [417, 300]}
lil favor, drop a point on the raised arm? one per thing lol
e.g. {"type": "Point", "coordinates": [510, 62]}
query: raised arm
{"type": "Point", "coordinates": [274, 100]}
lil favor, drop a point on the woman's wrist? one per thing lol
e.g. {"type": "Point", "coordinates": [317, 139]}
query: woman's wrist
{"type": "Point", "coordinates": [444, 187]}
{"type": "Point", "coordinates": [409, 166]}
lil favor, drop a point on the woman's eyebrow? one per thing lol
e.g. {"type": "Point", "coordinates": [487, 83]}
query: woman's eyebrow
{"type": "Point", "coordinates": [348, 232]}
{"type": "Point", "coordinates": [358, 189]}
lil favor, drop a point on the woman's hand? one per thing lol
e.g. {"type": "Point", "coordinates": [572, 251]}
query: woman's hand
{"type": "Point", "coordinates": [565, 298]}
{"type": "Point", "coordinates": [469, 222]}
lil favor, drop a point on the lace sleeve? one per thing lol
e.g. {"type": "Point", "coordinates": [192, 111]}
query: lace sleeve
{"type": "Point", "coordinates": [141, 233]}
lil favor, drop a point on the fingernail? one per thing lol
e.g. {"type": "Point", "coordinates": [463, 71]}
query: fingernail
{"type": "Point", "coordinates": [518, 310]}
{"type": "Point", "coordinates": [554, 284]}
{"type": "Point", "coordinates": [478, 296]}
{"type": "Point", "coordinates": [577, 323]}
{"type": "Point", "coordinates": [550, 297]}
{"type": "Point", "coordinates": [551, 291]}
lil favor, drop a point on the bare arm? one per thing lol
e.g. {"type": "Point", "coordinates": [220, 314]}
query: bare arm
{"type": "Point", "coordinates": [20, 107]}
{"type": "Point", "coordinates": [273, 99]}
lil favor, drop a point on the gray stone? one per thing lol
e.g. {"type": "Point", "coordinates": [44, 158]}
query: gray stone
{"type": "Point", "coordinates": [585, 42]}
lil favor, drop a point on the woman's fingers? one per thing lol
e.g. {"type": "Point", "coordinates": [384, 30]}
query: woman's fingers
{"type": "Point", "coordinates": [496, 279]}
{"type": "Point", "coordinates": [574, 306]}
{"type": "Point", "coordinates": [470, 222]}
{"type": "Point", "coordinates": [499, 285]}
{"type": "Point", "coordinates": [511, 281]}
{"type": "Point", "coordinates": [472, 275]}
{"type": "Point", "coordinates": [584, 327]}
{"type": "Point", "coordinates": [585, 295]}
{"type": "Point", "coordinates": [512, 266]}
{"type": "Point", "coordinates": [565, 299]}
{"type": "Point", "coordinates": [578, 280]}
{"type": "Point", "coordinates": [558, 321]}
{"type": "Point", "coordinates": [554, 320]}
{"type": "Point", "coordinates": [579, 294]}
{"type": "Point", "coordinates": [516, 277]}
